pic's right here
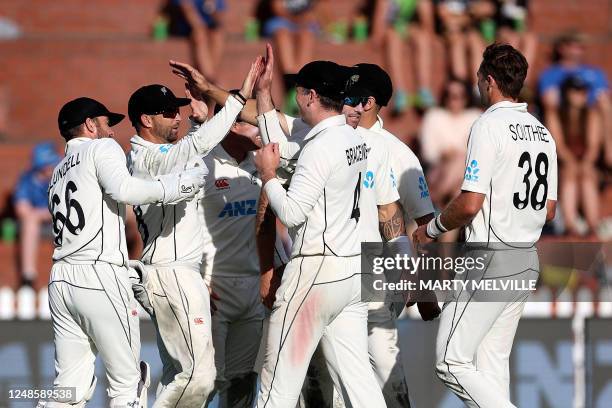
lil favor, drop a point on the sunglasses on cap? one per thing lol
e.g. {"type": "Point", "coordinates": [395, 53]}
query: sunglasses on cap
{"type": "Point", "coordinates": [354, 101]}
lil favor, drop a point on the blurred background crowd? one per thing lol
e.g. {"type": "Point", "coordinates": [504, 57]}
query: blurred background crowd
{"type": "Point", "coordinates": [55, 51]}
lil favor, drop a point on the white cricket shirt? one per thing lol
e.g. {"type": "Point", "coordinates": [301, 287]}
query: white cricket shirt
{"type": "Point", "coordinates": [322, 205]}
{"type": "Point", "coordinates": [378, 186]}
{"type": "Point", "coordinates": [408, 175]}
{"type": "Point", "coordinates": [512, 160]}
{"type": "Point", "coordinates": [228, 208]}
{"type": "Point", "coordinates": [173, 233]}
{"type": "Point", "coordinates": [87, 196]}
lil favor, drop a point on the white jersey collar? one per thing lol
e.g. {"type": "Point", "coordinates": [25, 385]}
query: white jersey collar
{"type": "Point", "coordinates": [221, 155]}
{"type": "Point", "coordinates": [379, 125]}
{"type": "Point", "coordinates": [522, 107]}
{"type": "Point", "coordinates": [337, 120]}
{"type": "Point", "coordinates": [72, 143]}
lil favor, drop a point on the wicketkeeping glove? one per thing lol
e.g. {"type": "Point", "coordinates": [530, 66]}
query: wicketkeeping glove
{"type": "Point", "coordinates": [139, 279]}
{"type": "Point", "coordinates": [183, 186]}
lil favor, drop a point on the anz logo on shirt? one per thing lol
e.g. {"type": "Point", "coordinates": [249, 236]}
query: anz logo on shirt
{"type": "Point", "coordinates": [165, 148]}
{"type": "Point", "coordinates": [423, 187]}
{"type": "Point", "coordinates": [368, 180]}
{"type": "Point", "coordinates": [239, 208]}
{"type": "Point", "coordinates": [471, 171]}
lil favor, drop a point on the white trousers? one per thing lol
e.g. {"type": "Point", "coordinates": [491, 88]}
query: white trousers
{"type": "Point", "coordinates": [384, 356]}
{"type": "Point", "coordinates": [181, 303]}
{"type": "Point", "coordinates": [236, 330]}
{"type": "Point", "coordinates": [319, 301]}
{"type": "Point", "coordinates": [93, 311]}
{"type": "Point", "coordinates": [475, 335]}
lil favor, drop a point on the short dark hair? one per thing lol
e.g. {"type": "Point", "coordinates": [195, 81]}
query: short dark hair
{"type": "Point", "coordinates": [326, 102]}
{"type": "Point", "coordinates": [73, 132]}
{"type": "Point", "coordinates": [507, 66]}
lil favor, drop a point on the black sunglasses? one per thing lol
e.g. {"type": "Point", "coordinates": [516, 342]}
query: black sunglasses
{"type": "Point", "coordinates": [354, 101]}
{"type": "Point", "coordinates": [169, 113]}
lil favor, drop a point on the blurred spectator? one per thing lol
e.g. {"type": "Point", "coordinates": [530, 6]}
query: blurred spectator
{"type": "Point", "coordinates": [461, 22]}
{"type": "Point", "coordinates": [202, 22]}
{"type": "Point", "coordinates": [393, 22]}
{"type": "Point", "coordinates": [511, 18]}
{"type": "Point", "coordinates": [578, 147]}
{"type": "Point", "coordinates": [444, 136]}
{"type": "Point", "coordinates": [568, 60]}
{"type": "Point", "coordinates": [31, 206]}
{"type": "Point", "coordinates": [292, 24]}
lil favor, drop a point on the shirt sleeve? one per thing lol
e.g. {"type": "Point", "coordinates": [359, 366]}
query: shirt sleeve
{"type": "Point", "coordinates": [384, 183]}
{"type": "Point", "coordinates": [292, 207]}
{"type": "Point", "coordinates": [117, 182]}
{"type": "Point", "coordinates": [412, 186]}
{"type": "Point", "coordinates": [199, 141]}
{"type": "Point", "coordinates": [482, 154]}
{"type": "Point", "coordinates": [289, 147]}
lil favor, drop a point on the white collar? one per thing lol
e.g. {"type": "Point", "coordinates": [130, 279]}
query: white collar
{"type": "Point", "coordinates": [337, 120]}
{"type": "Point", "coordinates": [522, 107]}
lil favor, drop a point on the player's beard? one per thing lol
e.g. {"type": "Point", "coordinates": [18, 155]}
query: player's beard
{"type": "Point", "coordinates": [169, 132]}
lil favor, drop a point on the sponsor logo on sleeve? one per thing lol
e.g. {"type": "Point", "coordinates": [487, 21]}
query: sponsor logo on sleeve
{"type": "Point", "coordinates": [471, 171]}
{"type": "Point", "coordinates": [368, 180]}
{"type": "Point", "coordinates": [423, 187]}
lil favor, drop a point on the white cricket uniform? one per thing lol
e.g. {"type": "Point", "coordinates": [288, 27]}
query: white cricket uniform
{"type": "Point", "coordinates": [379, 187]}
{"type": "Point", "coordinates": [173, 247]}
{"type": "Point", "coordinates": [512, 161]}
{"type": "Point", "coordinates": [408, 175]}
{"type": "Point", "coordinates": [92, 305]}
{"type": "Point", "coordinates": [383, 336]}
{"type": "Point", "coordinates": [231, 267]}
{"type": "Point", "coordinates": [319, 297]}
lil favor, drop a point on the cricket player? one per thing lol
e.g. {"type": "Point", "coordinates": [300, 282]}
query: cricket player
{"type": "Point", "coordinates": [377, 180]}
{"type": "Point", "coordinates": [319, 297]}
{"type": "Point", "coordinates": [92, 306]}
{"type": "Point", "coordinates": [509, 192]}
{"type": "Point", "coordinates": [173, 236]}
{"type": "Point", "coordinates": [230, 265]}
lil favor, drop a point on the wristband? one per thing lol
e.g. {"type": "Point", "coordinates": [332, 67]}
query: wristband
{"type": "Point", "coordinates": [240, 97]}
{"type": "Point", "coordinates": [435, 228]}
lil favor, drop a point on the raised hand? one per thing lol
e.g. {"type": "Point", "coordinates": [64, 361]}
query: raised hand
{"type": "Point", "coordinates": [192, 76]}
{"type": "Point", "coordinates": [199, 108]}
{"type": "Point", "coordinates": [264, 83]}
{"type": "Point", "coordinates": [254, 72]}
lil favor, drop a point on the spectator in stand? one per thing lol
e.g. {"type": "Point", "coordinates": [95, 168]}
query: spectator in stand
{"type": "Point", "coordinates": [292, 24]}
{"type": "Point", "coordinates": [579, 148]}
{"type": "Point", "coordinates": [202, 22]}
{"type": "Point", "coordinates": [568, 60]}
{"type": "Point", "coordinates": [444, 136]}
{"type": "Point", "coordinates": [511, 18]}
{"type": "Point", "coordinates": [461, 23]}
{"type": "Point", "coordinates": [31, 206]}
{"type": "Point", "coordinates": [393, 22]}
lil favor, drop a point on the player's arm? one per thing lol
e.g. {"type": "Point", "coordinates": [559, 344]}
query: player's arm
{"type": "Point", "coordinates": [265, 236]}
{"type": "Point", "coordinates": [293, 206]}
{"type": "Point", "coordinates": [483, 148]}
{"type": "Point", "coordinates": [114, 178]}
{"type": "Point", "coordinates": [413, 190]}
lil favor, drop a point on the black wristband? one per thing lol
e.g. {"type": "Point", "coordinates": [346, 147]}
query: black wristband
{"type": "Point", "coordinates": [240, 97]}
